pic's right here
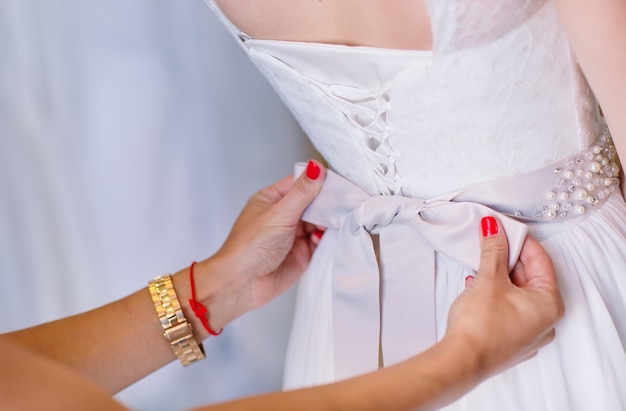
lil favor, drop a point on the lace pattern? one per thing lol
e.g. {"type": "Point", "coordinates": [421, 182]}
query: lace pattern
{"type": "Point", "coordinates": [500, 94]}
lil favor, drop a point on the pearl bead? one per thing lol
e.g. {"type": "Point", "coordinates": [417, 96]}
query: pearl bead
{"type": "Point", "coordinates": [596, 149]}
{"type": "Point", "coordinates": [580, 209]}
{"type": "Point", "coordinates": [563, 196]}
{"type": "Point", "coordinates": [580, 194]}
{"type": "Point", "coordinates": [550, 214]}
{"type": "Point", "coordinates": [588, 175]}
{"type": "Point", "coordinates": [580, 172]}
{"type": "Point", "coordinates": [551, 195]}
{"type": "Point", "coordinates": [590, 187]}
{"type": "Point", "coordinates": [607, 182]}
{"type": "Point", "coordinates": [569, 174]}
{"type": "Point", "coordinates": [554, 206]}
{"type": "Point", "coordinates": [596, 167]}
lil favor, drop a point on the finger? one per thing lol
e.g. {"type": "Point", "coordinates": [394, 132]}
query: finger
{"type": "Point", "coordinates": [276, 191]}
{"type": "Point", "coordinates": [518, 275]}
{"type": "Point", "coordinates": [303, 191]}
{"type": "Point", "coordinates": [316, 236]}
{"type": "Point", "coordinates": [537, 264]}
{"type": "Point", "coordinates": [494, 249]}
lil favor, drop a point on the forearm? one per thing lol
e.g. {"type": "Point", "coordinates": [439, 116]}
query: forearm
{"type": "Point", "coordinates": [114, 345]}
{"type": "Point", "coordinates": [29, 381]}
{"type": "Point", "coordinates": [119, 343]}
{"type": "Point", "coordinates": [428, 381]}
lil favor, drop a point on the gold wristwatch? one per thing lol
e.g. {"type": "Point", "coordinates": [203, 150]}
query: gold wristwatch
{"type": "Point", "coordinates": [176, 328]}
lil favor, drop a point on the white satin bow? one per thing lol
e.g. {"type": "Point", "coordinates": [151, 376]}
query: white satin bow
{"type": "Point", "coordinates": [410, 231]}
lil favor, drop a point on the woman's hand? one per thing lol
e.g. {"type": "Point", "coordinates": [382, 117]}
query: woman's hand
{"type": "Point", "coordinates": [507, 318]}
{"type": "Point", "coordinates": [269, 246]}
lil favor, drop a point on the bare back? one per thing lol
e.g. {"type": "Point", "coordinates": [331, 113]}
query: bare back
{"type": "Point", "coordinates": [400, 24]}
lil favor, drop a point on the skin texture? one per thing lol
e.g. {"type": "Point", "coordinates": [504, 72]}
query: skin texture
{"type": "Point", "coordinates": [399, 24]}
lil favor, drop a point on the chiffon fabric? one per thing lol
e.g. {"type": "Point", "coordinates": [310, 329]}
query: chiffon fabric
{"type": "Point", "coordinates": [500, 94]}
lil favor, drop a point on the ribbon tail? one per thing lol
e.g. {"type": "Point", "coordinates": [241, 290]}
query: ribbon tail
{"type": "Point", "coordinates": [408, 294]}
{"type": "Point", "coordinates": [356, 313]}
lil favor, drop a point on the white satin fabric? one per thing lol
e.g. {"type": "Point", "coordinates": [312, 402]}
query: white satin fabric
{"type": "Point", "coordinates": [397, 314]}
{"type": "Point", "coordinates": [499, 95]}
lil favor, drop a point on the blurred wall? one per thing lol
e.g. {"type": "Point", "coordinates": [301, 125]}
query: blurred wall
{"type": "Point", "coordinates": [131, 135]}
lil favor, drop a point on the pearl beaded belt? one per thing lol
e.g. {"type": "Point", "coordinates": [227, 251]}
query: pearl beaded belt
{"type": "Point", "coordinates": [411, 230]}
{"type": "Point", "coordinates": [567, 189]}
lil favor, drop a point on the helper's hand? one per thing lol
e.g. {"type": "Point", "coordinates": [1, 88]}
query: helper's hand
{"type": "Point", "coordinates": [269, 246]}
{"type": "Point", "coordinates": [506, 319]}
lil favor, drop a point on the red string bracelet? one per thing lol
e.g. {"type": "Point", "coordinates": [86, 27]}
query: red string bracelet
{"type": "Point", "coordinates": [198, 308]}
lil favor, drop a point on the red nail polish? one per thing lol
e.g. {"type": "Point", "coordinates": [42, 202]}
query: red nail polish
{"type": "Point", "coordinates": [312, 170]}
{"type": "Point", "coordinates": [318, 234]}
{"type": "Point", "coordinates": [489, 226]}
{"type": "Point", "coordinates": [468, 280]}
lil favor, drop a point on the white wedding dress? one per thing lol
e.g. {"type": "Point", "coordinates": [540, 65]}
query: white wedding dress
{"type": "Point", "coordinates": [499, 95]}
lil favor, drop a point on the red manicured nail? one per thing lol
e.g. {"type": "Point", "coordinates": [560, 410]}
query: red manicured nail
{"type": "Point", "coordinates": [468, 280]}
{"type": "Point", "coordinates": [489, 226]}
{"type": "Point", "coordinates": [318, 234]}
{"type": "Point", "coordinates": [312, 170]}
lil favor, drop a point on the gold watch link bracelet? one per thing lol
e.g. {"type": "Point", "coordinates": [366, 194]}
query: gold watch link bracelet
{"type": "Point", "coordinates": [176, 329]}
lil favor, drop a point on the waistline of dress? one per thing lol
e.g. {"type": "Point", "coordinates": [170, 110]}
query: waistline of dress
{"type": "Point", "coordinates": [389, 303]}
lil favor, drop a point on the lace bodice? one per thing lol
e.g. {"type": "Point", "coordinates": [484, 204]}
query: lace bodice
{"type": "Point", "coordinates": [499, 94]}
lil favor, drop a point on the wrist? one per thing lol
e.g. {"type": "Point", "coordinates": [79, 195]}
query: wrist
{"type": "Point", "coordinates": [216, 288]}
{"type": "Point", "coordinates": [466, 356]}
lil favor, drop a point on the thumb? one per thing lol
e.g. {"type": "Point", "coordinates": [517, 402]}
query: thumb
{"type": "Point", "coordinates": [494, 249]}
{"type": "Point", "coordinates": [303, 190]}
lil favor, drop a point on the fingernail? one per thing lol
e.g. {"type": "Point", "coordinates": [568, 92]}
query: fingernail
{"type": "Point", "coordinates": [468, 280]}
{"type": "Point", "coordinates": [489, 226]}
{"type": "Point", "coordinates": [318, 234]}
{"type": "Point", "coordinates": [312, 170]}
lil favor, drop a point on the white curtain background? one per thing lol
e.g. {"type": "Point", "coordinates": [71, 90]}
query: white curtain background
{"type": "Point", "coordinates": [131, 135]}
